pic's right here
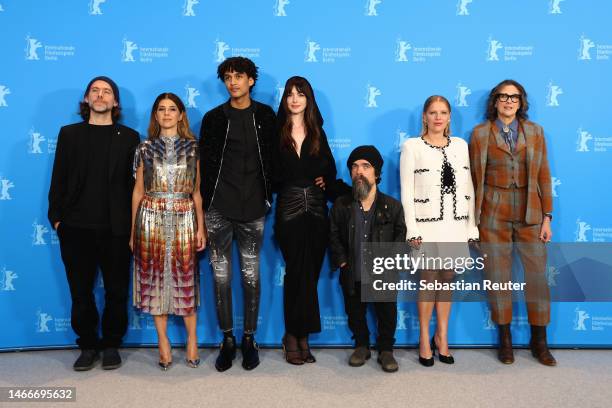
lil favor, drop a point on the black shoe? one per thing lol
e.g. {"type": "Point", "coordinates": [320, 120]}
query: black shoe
{"type": "Point", "coordinates": [443, 359]}
{"type": "Point", "coordinates": [427, 362]}
{"type": "Point", "coordinates": [305, 350]}
{"type": "Point", "coordinates": [539, 346]}
{"type": "Point", "coordinates": [292, 356]}
{"type": "Point", "coordinates": [505, 353]}
{"type": "Point", "coordinates": [250, 352]}
{"type": "Point", "coordinates": [110, 359]}
{"type": "Point", "coordinates": [227, 353]}
{"type": "Point", "coordinates": [308, 356]}
{"type": "Point", "coordinates": [86, 360]}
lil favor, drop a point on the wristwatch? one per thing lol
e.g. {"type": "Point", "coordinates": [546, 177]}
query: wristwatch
{"type": "Point", "coordinates": [549, 215]}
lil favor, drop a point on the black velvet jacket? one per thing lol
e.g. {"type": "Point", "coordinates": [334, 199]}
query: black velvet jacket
{"type": "Point", "coordinates": [213, 135]}
{"type": "Point", "coordinates": [388, 226]}
{"type": "Point", "coordinates": [70, 167]}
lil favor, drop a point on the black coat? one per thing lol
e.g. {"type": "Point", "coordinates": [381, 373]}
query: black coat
{"type": "Point", "coordinates": [387, 226]}
{"type": "Point", "coordinates": [213, 135]}
{"type": "Point", "coordinates": [70, 167]}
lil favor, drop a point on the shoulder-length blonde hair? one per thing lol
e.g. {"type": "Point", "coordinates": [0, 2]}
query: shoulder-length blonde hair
{"type": "Point", "coordinates": [427, 104]}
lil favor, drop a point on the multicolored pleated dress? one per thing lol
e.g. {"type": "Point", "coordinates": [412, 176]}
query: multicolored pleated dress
{"type": "Point", "coordinates": [166, 277]}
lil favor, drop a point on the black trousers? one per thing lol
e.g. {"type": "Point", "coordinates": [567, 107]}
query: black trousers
{"type": "Point", "coordinates": [303, 241]}
{"type": "Point", "coordinates": [386, 320]}
{"type": "Point", "coordinates": [83, 250]}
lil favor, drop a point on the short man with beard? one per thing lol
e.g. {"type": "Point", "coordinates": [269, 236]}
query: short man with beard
{"type": "Point", "coordinates": [366, 216]}
{"type": "Point", "coordinates": [90, 208]}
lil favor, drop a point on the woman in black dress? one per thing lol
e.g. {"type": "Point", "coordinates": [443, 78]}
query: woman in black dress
{"type": "Point", "coordinates": [304, 165]}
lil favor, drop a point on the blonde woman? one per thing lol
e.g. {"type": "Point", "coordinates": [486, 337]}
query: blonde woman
{"type": "Point", "coordinates": [437, 196]}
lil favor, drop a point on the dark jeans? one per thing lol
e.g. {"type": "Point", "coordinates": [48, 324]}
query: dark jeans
{"type": "Point", "coordinates": [386, 319]}
{"type": "Point", "coordinates": [83, 250]}
{"type": "Point", "coordinates": [249, 235]}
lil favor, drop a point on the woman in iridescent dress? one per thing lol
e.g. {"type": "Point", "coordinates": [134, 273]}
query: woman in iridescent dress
{"type": "Point", "coordinates": [168, 225]}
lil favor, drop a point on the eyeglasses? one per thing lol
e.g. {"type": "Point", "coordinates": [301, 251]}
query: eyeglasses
{"type": "Point", "coordinates": [513, 98]}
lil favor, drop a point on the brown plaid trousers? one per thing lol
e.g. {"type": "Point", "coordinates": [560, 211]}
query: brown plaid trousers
{"type": "Point", "coordinates": [513, 190]}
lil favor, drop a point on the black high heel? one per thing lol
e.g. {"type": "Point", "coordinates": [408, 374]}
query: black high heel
{"type": "Point", "coordinates": [306, 354]}
{"type": "Point", "coordinates": [292, 356]}
{"type": "Point", "coordinates": [427, 362]}
{"type": "Point", "coordinates": [308, 357]}
{"type": "Point", "coordinates": [443, 359]}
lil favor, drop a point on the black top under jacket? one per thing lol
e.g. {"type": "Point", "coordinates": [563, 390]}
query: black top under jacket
{"type": "Point", "coordinates": [214, 132]}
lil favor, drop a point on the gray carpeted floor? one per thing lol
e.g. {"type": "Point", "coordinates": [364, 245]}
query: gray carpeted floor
{"type": "Point", "coordinates": [583, 378]}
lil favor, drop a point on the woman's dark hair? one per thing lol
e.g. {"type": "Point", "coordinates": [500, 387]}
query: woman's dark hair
{"type": "Point", "coordinates": [182, 126]}
{"type": "Point", "coordinates": [312, 117]}
{"type": "Point", "coordinates": [491, 113]}
{"type": "Point", "coordinates": [238, 64]}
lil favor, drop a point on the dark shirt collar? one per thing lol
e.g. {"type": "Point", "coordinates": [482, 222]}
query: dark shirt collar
{"type": "Point", "coordinates": [227, 107]}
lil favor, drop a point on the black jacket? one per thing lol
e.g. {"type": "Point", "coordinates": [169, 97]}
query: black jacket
{"type": "Point", "coordinates": [388, 226]}
{"type": "Point", "coordinates": [213, 135]}
{"type": "Point", "coordinates": [70, 166]}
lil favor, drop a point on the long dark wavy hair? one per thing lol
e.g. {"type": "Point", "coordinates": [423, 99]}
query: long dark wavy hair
{"type": "Point", "coordinates": [183, 124]}
{"type": "Point", "coordinates": [491, 113]}
{"type": "Point", "coordinates": [312, 117]}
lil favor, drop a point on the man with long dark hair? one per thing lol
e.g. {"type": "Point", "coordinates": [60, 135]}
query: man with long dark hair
{"type": "Point", "coordinates": [514, 208]}
{"type": "Point", "coordinates": [89, 207]}
{"type": "Point", "coordinates": [235, 141]}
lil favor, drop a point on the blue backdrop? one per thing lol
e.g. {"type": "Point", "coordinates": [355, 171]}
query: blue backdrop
{"type": "Point", "coordinates": [372, 64]}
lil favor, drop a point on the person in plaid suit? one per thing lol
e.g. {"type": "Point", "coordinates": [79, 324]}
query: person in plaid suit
{"type": "Point", "coordinates": [513, 208]}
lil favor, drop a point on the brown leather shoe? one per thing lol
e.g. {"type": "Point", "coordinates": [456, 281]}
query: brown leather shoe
{"type": "Point", "coordinates": [539, 346]}
{"type": "Point", "coordinates": [387, 361]}
{"type": "Point", "coordinates": [359, 356]}
{"type": "Point", "coordinates": [505, 353]}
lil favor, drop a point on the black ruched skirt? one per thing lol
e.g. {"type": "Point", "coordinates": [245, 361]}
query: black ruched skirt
{"type": "Point", "coordinates": [302, 230]}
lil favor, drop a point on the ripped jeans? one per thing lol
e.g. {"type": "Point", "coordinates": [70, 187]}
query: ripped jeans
{"type": "Point", "coordinates": [249, 235]}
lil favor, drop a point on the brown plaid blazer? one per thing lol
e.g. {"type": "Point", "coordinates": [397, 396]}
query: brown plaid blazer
{"type": "Point", "coordinates": [539, 189]}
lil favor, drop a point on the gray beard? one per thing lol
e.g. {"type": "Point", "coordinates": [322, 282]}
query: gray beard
{"type": "Point", "coordinates": [361, 188]}
{"type": "Point", "coordinates": [106, 109]}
